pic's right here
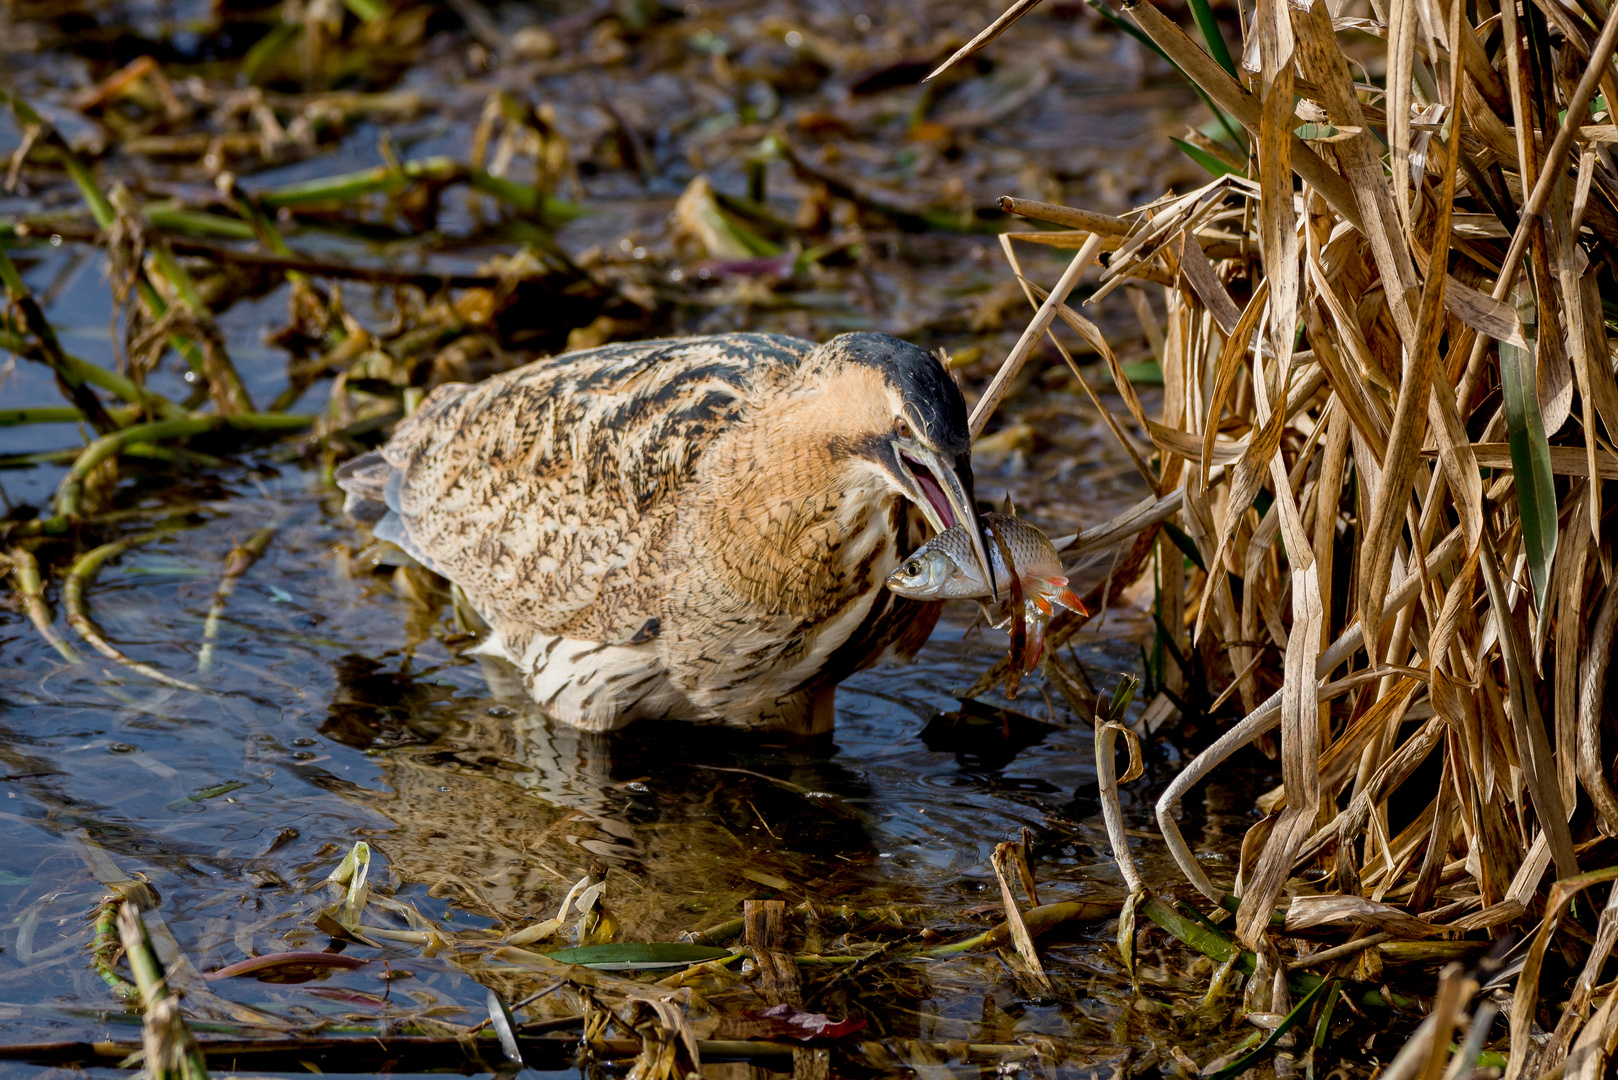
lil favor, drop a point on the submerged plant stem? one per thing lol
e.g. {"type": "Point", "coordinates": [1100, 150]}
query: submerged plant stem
{"type": "Point", "coordinates": [171, 1051]}
{"type": "Point", "coordinates": [79, 578]}
{"type": "Point", "coordinates": [106, 948]}
{"type": "Point", "coordinates": [237, 563]}
{"type": "Point", "coordinates": [70, 494]}
{"type": "Point", "coordinates": [25, 570]}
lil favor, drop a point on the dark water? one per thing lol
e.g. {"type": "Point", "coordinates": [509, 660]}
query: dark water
{"type": "Point", "coordinates": [340, 707]}
{"type": "Point", "coordinates": [340, 713]}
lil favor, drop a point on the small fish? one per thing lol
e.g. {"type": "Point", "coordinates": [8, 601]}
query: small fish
{"type": "Point", "coordinates": [944, 569]}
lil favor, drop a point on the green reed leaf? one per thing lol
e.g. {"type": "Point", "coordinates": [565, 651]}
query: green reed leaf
{"type": "Point", "coordinates": [1203, 13]}
{"type": "Point", "coordinates": [1197, 154]}
{"type": "Point", "coordinates": [1530, 450]}
{"type": "Point", "coordinates": [1291, 1020]}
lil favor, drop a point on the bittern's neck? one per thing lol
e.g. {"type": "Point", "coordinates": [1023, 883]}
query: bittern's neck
{"type": "Point", "coordinates": [803, 521]}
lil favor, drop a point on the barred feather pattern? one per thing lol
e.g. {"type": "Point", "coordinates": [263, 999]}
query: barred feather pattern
{"type": "Point", "coordinates": [665, 528]}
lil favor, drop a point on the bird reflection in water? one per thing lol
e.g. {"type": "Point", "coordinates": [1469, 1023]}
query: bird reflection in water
{"type": "Point", "coordinates": [498, 808]}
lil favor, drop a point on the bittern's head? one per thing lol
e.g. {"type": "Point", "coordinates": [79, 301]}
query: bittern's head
{"type": "Point", "coordinates": [912, 426]}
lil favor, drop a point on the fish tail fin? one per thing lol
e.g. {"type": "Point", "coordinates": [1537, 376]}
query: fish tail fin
{"type": "Point", "coordinates": [1065, 596]}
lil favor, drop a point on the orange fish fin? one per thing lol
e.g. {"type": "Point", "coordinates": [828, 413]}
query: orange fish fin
{"type": "Point", "coordinates": [1066, 596]}
{"type": "Point", "coordinates": [1042, 604]}
{"type": "Point", "coordinates": [1035, 647]}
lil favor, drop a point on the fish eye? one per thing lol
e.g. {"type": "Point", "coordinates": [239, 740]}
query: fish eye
{"type": "Point", "coordinates": [912, 568]}
{"type": "Point", "coordinates": [901, 428]}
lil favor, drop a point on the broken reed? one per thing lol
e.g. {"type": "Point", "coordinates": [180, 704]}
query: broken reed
{"type": "Point", "coordinates": [1387, 425]}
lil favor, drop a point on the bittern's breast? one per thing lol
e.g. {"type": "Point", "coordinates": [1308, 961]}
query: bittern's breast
{"type": "Point", "coordinates": [781, 553]}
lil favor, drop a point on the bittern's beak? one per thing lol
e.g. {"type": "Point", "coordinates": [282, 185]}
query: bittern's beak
{"type": "Point", "coordinates": [943, 492]}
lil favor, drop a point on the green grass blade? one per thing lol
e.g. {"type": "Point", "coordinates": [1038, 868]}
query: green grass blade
{"type": "Point", "coordinates": [367, 10]}
{"type": "Point", "coordinates": [1210, 33]}
{"type": "Point", "coordinates": [1292, 1019]}
{"type": "Point", "coordinates": [1530, 450]}
{"type": "Point", "coordinates": [1205, 159]}
{"type": "Point", "coordinates": [166, 215]}
{"type": "Point", "coordinates": [629, 956]}
{"type": "Point", "coordinates": [265, 50]}
{"type": "Point", "coordinates": [1135, 32]}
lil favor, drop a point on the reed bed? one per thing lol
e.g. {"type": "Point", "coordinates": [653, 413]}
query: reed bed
{"type": "Point", "coordinates": [1381, 489]}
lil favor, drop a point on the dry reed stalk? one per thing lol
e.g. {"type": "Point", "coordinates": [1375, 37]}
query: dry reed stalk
{"type": "Point", "coordinates": [1395, 437]}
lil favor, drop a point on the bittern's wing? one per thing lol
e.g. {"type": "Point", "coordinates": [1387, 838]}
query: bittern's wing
{"type": "Point", "coordinates": [547, 489]}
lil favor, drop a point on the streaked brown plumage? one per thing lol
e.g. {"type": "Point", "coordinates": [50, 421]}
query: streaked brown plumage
{"type": "Point", "coordinates": [695, 528]}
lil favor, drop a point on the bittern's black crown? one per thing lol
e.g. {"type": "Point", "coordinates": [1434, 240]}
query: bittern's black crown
{"type": "Point", "coordinates": [929, 393]}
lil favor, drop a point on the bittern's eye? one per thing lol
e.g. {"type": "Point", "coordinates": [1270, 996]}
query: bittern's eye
{"type": "Point", "coordinates": [901, 428]}
{"type": "Point", "coordinates": [913, 568]}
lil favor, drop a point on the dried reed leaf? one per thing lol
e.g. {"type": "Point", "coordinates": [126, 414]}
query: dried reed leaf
{"type": "Point", "coordinates": [1563, 460]}
{"type": "Point", "coordinates": [1594, 1046]}
{"type": "Point", "coordinates": [1602, 385]}
{"type": "Point", "coordinates": [1237, 342]}
{"type": "Point", "coordinates": [1347, 386]}
{"type": "Point", "coordinates": [1154, 235]}
{"type": "Point", "coordinates": [1323, 63]}
{"type": "Point", "coordinates": [1409, 428]}
{"type": "Point", "coordinates": [1246, 480]}
{"type": "Point", "coordinates": [1218, 450]}
{"type": "Point", "coordinates": [1199, 272]}
{"type": "Point", "coordinates": [1020, 937]}
{"type": "Point", "coordinates": [1267, 716]}
{"type": "Point", "coordinates": [1229, 96]}
{"type": "Point", "coordinates": [1569, 273]}
{"type": "Point", "coordinates": [1067, 239]}
{"type": "Point", "coordinates": [1458, 457]}
{"type": "Point", "coordinates": [1567, 586]}
{"type": "Point", "coordinates": [1017, 10]}
{"type": "Point", "coordinates": [1093, 336]}
{"type": "Point", "coordinates": [1001, 382]}
{"type": "Point", "coordinates": [1137, 519]}
{"type": "Point", "coordinates": [1278, 235]}
{"type": "Point", "coordinates": [1592, 771]}
{"type": "Point", "coordinates": [1526, 998]}
{"type": "Point", "coordinates": [1401, 60]}
{"type": "Point", "coordinates": [1483, 312]}
{"type": "Point", "coordinates": [1308, 911]}
{"type": "Point", "coordinates": [1108, 781]}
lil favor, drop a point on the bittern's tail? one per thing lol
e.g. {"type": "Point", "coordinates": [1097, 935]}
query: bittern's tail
{"type": "Point", "coordinates": [374, 500]}
{"type": "Point", "coordinates": [365, 481]}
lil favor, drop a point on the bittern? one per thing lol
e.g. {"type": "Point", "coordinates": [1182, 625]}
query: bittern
{"type": "Point", "coordinates": [694, 528]}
